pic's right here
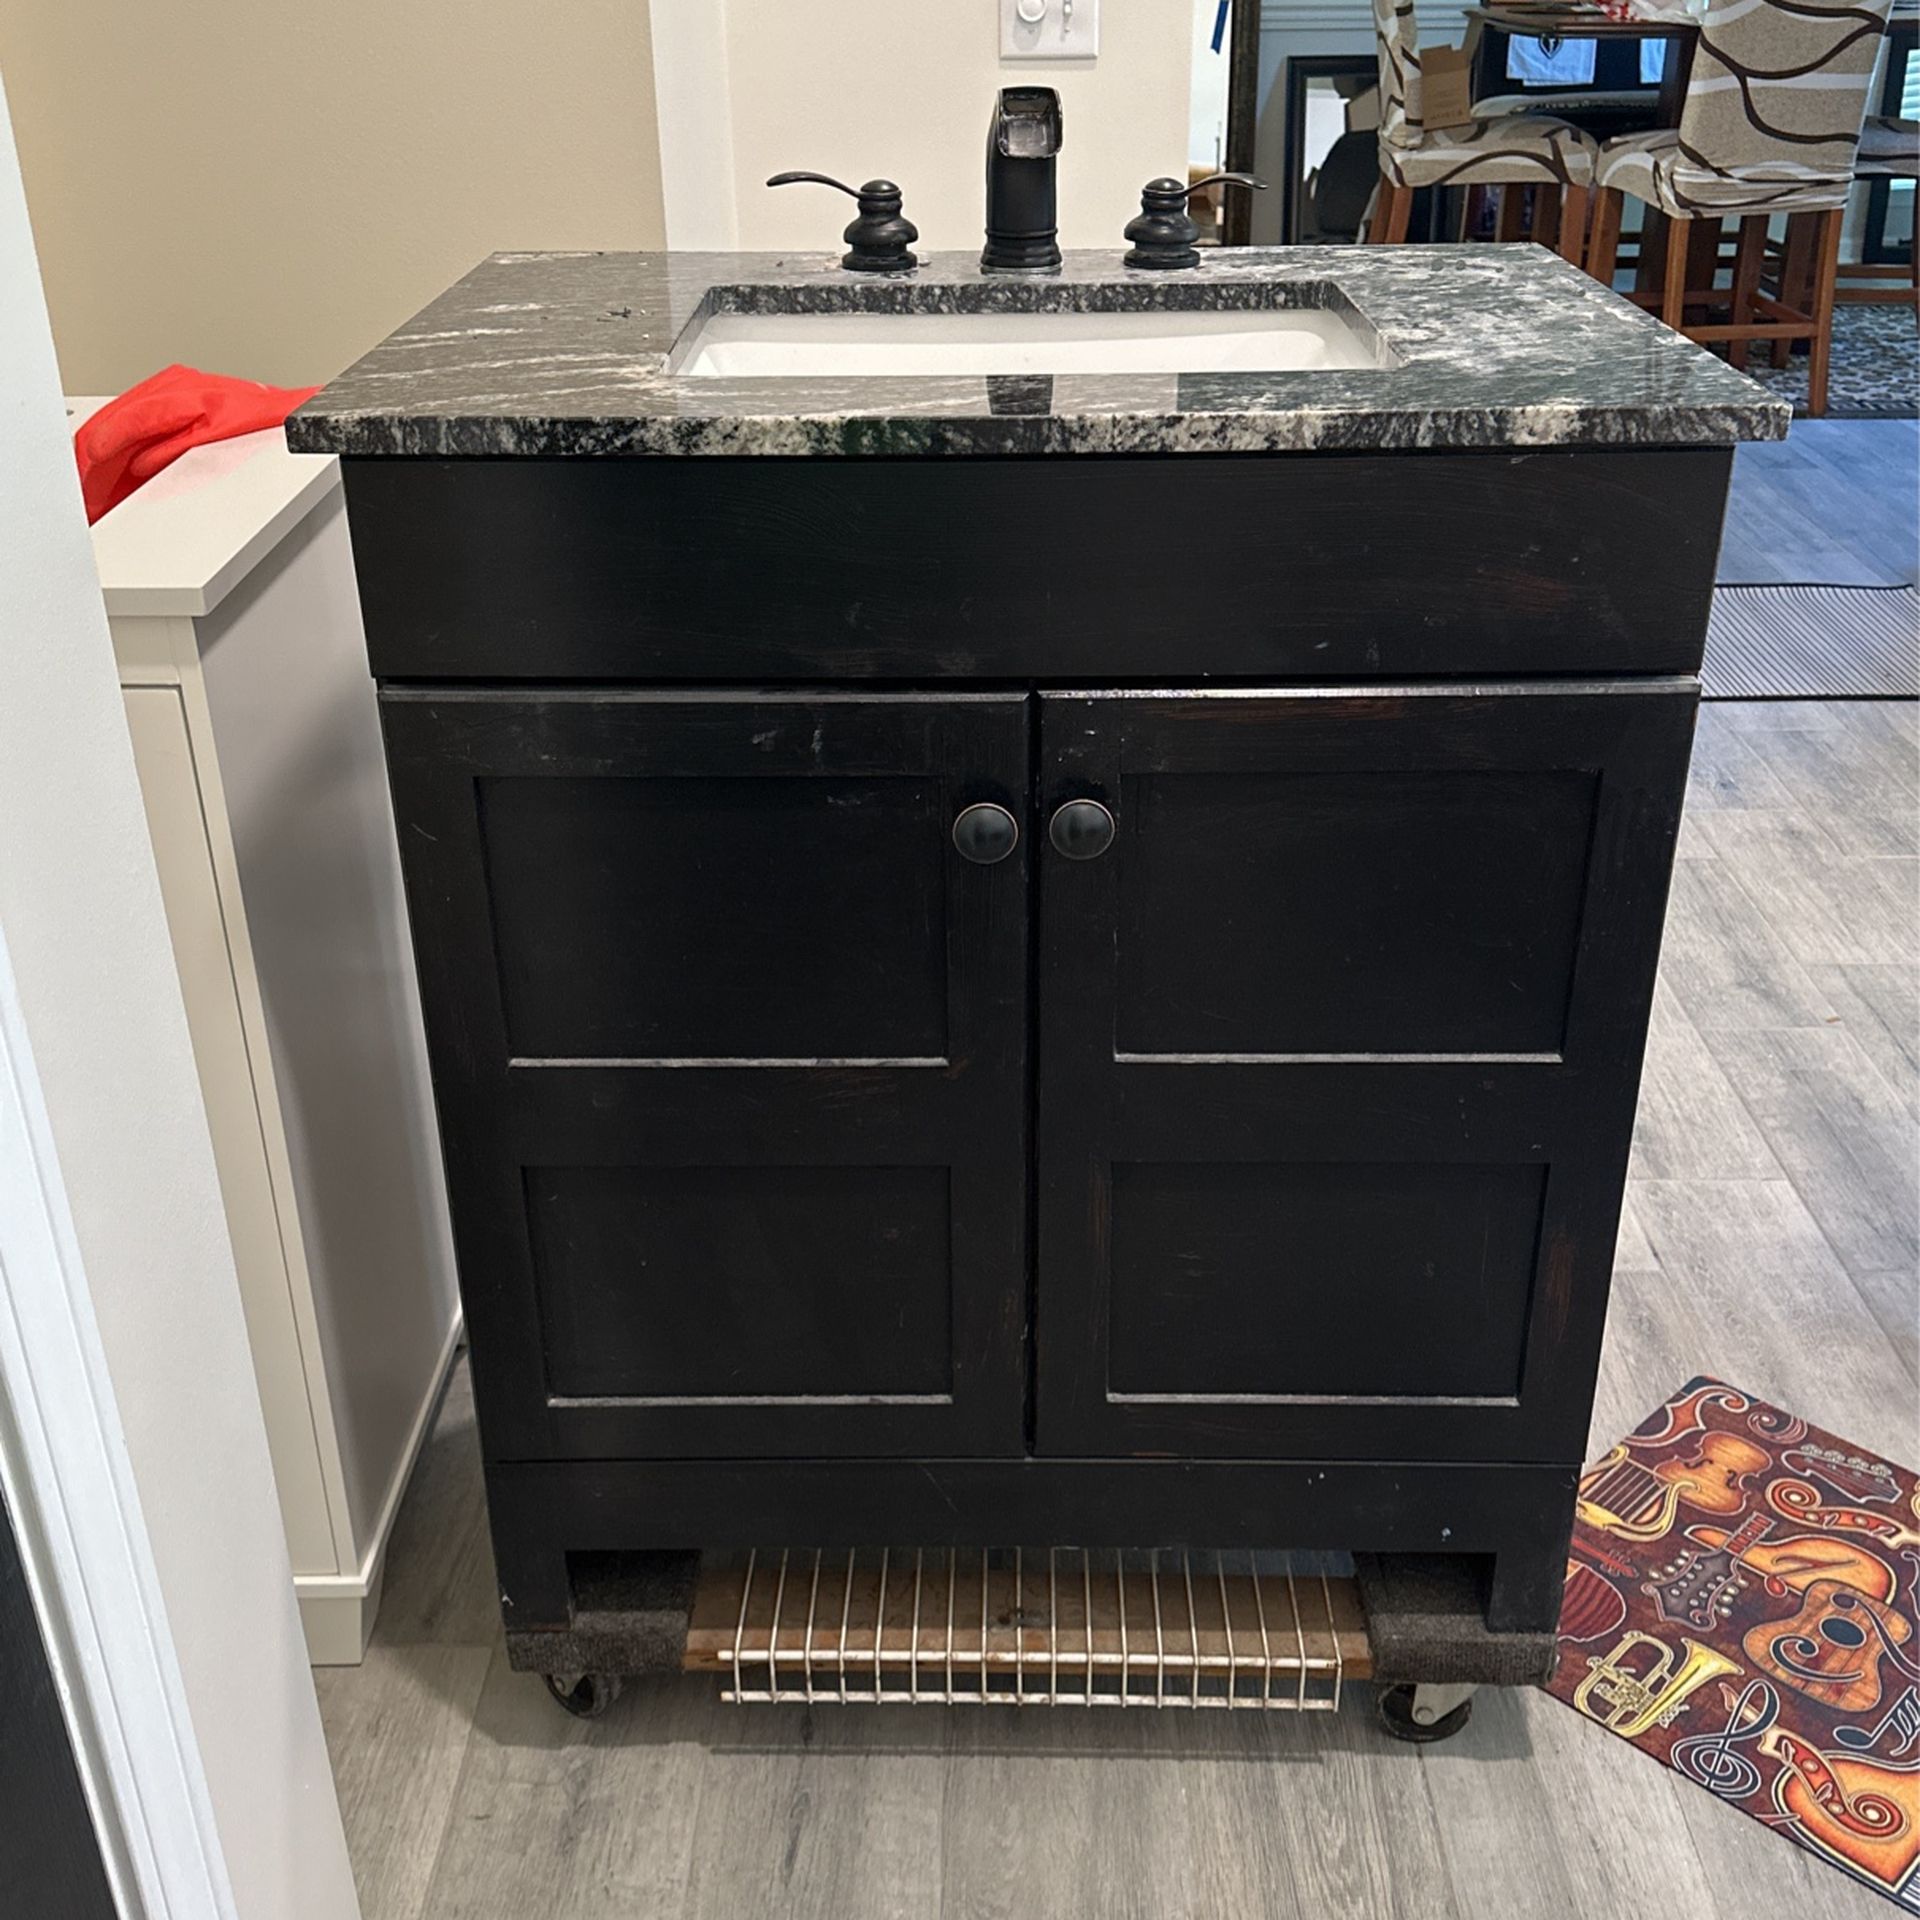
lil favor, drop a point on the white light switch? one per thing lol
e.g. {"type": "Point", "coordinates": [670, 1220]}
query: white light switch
{"type": "Point", "coordinates": [1049, 29]}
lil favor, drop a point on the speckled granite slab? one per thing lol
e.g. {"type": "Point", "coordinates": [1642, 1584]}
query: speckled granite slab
{"type": "Point", "coordinates": [1479, 346]}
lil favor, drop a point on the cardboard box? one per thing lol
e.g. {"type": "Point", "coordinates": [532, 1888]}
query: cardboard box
{"type": "Point", "coordinates": [1446, 88]}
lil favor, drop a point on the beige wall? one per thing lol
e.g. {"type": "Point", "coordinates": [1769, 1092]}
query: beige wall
{"type": "Point", "coordinates": [903, 88]}
{"type": "Point", "coordinates": [266, 189]}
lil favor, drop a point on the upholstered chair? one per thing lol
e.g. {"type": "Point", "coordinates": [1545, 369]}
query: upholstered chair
{"type": "Point", "coordinates": [1770, 126]}
{"type": "Point", "coordinates": [1513, 150]}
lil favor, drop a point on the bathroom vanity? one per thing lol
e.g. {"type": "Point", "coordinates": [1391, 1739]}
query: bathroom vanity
{"type": "Point", "coordinates": [1018, 956]}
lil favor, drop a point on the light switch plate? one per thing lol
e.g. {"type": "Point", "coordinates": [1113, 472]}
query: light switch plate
{"type": "Point", "coordinates": [1065, 30]}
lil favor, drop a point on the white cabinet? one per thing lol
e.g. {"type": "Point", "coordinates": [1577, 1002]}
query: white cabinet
{"type": "Point", "coordinates": [230, 591]}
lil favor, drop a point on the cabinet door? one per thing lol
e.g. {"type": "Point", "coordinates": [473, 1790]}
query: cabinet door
{"type": "Point", "coordinates": [728, 1042]}
{"type": "Point", "coordinates": [1339, 1043]}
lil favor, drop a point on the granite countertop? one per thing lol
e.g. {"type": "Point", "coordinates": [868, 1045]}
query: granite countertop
{"type": "Point", "coordinates": [1481, 346]}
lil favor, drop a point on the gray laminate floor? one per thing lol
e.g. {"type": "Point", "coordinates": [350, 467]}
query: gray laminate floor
{"type": "Point", "coordinates": [1770, 1239]}
{"type": "Point", "coordinates": [1835, 504]}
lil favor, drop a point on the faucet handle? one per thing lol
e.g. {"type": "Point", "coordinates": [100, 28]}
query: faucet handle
{"type": "Point", "coordinates": [827, 180]}
{"type": "Point", "coordinates": [879, 239]}
{"type": "Point", "coordinates": [1228, 179]}
{"type": "Point", "coordinates": [1163, 231]}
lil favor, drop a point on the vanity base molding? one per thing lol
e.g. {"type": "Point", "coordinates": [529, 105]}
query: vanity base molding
{"type": "Point", "coordinates": [1518, 1517]}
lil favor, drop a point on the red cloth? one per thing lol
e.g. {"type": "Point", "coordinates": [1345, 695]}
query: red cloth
{"type": "Point", "coordinates": [150, 426]}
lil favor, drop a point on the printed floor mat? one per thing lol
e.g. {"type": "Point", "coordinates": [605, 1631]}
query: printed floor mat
{"type": "Point", "coordinates": [1741, 1604]}
{"type": "Point", "coordinates": [1875, 370]}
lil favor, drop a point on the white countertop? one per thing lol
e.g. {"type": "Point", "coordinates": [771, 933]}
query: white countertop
{"type": "Point", "coordinates": [182, 542]}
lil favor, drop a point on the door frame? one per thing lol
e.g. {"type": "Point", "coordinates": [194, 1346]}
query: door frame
{"type": "Point", "coordinates": [67, 1479]}
{"type": "Point", "coordinates": [110, 1211]}
{"type": "Point", "coordinates": [1243, 117]}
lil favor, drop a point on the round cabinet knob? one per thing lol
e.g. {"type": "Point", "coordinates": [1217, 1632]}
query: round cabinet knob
{"type": "Point", "coordinates": [1082, 830]}
{"type": "Point", "coordinates": [984, 833]}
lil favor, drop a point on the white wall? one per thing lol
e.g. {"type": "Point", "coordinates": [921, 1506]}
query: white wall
{"type": "Point", "coordinates": [903, 88]}
{"type": "Point", "coordinates": [1207, 117]}
{"type": "Point", "coordinates": [97, 1000]}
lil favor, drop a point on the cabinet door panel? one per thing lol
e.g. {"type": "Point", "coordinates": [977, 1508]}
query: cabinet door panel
{"type": "Point", "coordinates": [1208, 1262]}
{"type": "Point", "coordinates": [729, 1046]}
{"type": "Point", "coordinates": [736, 917]}
{"type": "Point", "coordinates": [1420, 910]}
{"type": "Point", "coordinates": [1339, 1047]}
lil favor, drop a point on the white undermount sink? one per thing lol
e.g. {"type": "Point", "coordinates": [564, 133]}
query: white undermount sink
{"type": "Point", "coordinates": [801, 346]}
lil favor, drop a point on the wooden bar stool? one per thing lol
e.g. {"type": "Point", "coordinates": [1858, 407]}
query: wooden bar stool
{"type": "Point", "coordinates": [1505, 151]}
{"type": "Point", "coordinates": [1769, 126]}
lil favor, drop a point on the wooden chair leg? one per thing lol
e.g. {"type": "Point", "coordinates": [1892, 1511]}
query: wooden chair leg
{"type": "Point", "coordinates": [1826, 273]}
{"type": "Point", "coordinates": [1543, 217]}
{"type": "Point", "coordinates": [1795, 270]}
{"type": "Point", "coordinates": [1573, 224]}
{"type": "Point", "coordinates": [1673, 278]}
{"type": "Point", "coordinates": [1650, 256]}
{"type": "Point", "coordinates": [1703, 253]}
{"type": "Point", "coordinates": [1604, 247]}
{"type": "Point", "coordinates": [1392, 212]}
{"type": "Point", "coordinates": [1747, 261]}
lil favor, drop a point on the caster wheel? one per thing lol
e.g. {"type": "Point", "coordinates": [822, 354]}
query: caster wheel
{"type": "Point", "coordinates": [1396, 1715]}
{"type": "Point", "coordinates": [588, 1696]}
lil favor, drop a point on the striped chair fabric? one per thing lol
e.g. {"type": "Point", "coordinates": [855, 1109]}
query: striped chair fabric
{"type": "Point", "coordinates": [1889, 149]}
{"type": "Point", "coordinates": [1515, 150]}
{"type": "Point", "coordinates": [1772, 115]}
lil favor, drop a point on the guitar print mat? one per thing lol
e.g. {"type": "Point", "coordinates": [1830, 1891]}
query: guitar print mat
{"type": "Point", "coordinates": [1741, 1604]}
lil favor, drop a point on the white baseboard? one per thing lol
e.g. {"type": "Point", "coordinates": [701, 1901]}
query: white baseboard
{"type": "Point", "coordinates": [337, 1610]}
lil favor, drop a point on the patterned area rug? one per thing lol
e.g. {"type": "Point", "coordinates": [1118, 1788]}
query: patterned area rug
{"type": "Point", "coordinates": [1875, 373]}
{"type": "Point", "coordinates": [1813, 643]}
{"type": "Point", "coordinates": [1741, 1604]}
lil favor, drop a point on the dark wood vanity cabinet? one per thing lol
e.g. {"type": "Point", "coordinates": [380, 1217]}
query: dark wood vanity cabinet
{"type": "Point", "coordinates": [1253, 1182]}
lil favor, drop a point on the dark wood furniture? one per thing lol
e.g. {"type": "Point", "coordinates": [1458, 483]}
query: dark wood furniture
{"type": "Point", "coordinates": [1497, 24]}
{"type": "Point", "coordinates": [1254, 1181]}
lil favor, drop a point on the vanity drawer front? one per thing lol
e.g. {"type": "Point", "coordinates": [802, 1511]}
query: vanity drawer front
{"type": "Point", "coordinates": [1097, 570]}
{"type": "Point", "coordinates": [1339, 1044]}
{"type": "Point", "coordinates": [728, 1043]}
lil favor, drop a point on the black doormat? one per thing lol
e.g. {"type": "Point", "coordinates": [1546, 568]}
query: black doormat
{"type": "Point", "coordinates": [1813, 643]}
{"type": "Point", "coordinates": [1875, 374]}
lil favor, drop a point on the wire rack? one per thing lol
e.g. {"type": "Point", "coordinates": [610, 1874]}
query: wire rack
{"type": "Point", "coordinates": [1065, 1626]}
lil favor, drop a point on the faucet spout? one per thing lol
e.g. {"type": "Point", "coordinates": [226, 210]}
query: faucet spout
{"type": "Point", "coordinates": [1023, 141]}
